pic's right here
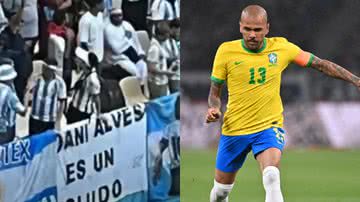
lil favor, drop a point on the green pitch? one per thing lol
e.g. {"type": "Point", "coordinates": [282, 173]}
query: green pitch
{"type": "Point", "coordinates": [307, 176]}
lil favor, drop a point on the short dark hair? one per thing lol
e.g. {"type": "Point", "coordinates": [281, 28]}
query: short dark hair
{"type": "Point", "coordinates": [51, 61]}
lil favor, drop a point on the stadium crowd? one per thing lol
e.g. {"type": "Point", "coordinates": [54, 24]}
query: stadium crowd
{"type": "Point", "coordinates": [82, 58]}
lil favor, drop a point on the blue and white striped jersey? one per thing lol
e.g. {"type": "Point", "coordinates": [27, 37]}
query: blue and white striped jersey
{"type": "Point", "coordinates": [46, 96]}
{"type": "Point", "coordinates": [84, 98]}
{"type": "Point", "coordinates": [9, 104]}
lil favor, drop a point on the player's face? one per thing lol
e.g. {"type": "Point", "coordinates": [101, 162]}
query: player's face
{"type": "Point", "coordinates": [254, 30]}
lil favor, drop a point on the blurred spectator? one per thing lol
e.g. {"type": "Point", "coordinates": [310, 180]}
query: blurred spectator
{"type": "Point", "coordinates": [46, 9]}
{"type": "Point", "coordinates": [91, 29]}
{"type": "Point", "coordinates": [85, 100]}
{"type": "Point", "coordinates": [162, 10]}
{"type": "Point", "coordinates": [29, 29]}
{"type": "Point", "coordinates": [58, 27]}
{"type": "Point", "coordinates": [172, 48]}
{"type": "Point", "coordinates": [12, 46]}
{"type": "Point", "coordinates": [158, 70]}
{"type": "Point", "coordinates": [9, 102]}
{"type": "Point", "coordinates": [175, 4]}
{"type": "Point", "coordinates": [57, 24]}
{"type": "Point", "coordinates": [125, 49]}
{"type": "Point", "coordinates": [48, 99]}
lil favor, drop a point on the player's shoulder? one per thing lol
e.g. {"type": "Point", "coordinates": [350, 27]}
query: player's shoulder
{"type": "Point", "coordinates": [279, 42]}
{"type": "Point", "coordinates": [229, 44]}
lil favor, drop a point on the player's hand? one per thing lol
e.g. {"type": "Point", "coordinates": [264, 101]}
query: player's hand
{"type": "Point", "coordinates": [213, 115]}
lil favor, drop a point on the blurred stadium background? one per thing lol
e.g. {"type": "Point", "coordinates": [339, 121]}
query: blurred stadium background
{"type": "Point", "coordinates": [321, 113]}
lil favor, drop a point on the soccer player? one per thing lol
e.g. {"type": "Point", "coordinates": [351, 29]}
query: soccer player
{"type": "Point", "coordinates": [251, 68]}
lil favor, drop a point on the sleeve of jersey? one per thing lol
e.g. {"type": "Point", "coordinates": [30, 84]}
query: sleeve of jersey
{"type": "Point", "coordinates": [218, 74]}
{"type": "Point", "coordinates": [15, 103]}
{"type": "Point", "coordinates": [300, 57]}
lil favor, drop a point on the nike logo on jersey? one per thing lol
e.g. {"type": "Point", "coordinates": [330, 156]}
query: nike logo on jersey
{"type": "Point", "coordinates": [238, 62]}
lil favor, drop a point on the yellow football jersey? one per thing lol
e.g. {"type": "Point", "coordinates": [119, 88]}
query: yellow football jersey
{"type": "Point", "coordinates": [253, 81]}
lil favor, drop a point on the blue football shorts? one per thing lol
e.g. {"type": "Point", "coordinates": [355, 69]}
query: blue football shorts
{"type": "Point", "coordinates": [232, 150]}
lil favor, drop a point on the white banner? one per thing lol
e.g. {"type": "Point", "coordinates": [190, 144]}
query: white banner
{"type": "Point", "coordinates": [104, 161]}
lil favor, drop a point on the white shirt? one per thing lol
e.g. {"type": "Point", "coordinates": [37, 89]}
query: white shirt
{"type": "Point", "coordinates": [157, 55]}
{"type": "Point", "coordinates": [30, 27]}
{"type": "Point", "coordinates": [83, 98]}
{"type": "Point", "coordinates": [45, 98]}
{"type": "Point", "coordinates": [120, 38]}
{"type": "Point", "coordinates": [91, 32]}
{"type": "Point", "coordinates": [162, 10]}
{"type": "Point", "coordinates": [9, 104]}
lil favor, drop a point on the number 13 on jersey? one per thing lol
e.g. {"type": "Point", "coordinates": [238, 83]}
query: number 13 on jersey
{"type": "Point", "coordinates": [261, 71]}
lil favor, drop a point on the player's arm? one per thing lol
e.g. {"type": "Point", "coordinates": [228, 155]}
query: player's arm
{"type": "Point", "coordinates": [218, 78]}
{"type": "Point", "coordinates": [214, 101]}
{"type": "Point", "coordinates": [331, 69]}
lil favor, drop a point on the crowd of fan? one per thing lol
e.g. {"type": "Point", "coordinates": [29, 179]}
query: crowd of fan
{"type": "Point", "coordinates": [43, 42]}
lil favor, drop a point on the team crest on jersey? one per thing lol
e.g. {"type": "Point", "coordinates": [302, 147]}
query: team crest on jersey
{"type": "Point", "coordinates": [272, 58]}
